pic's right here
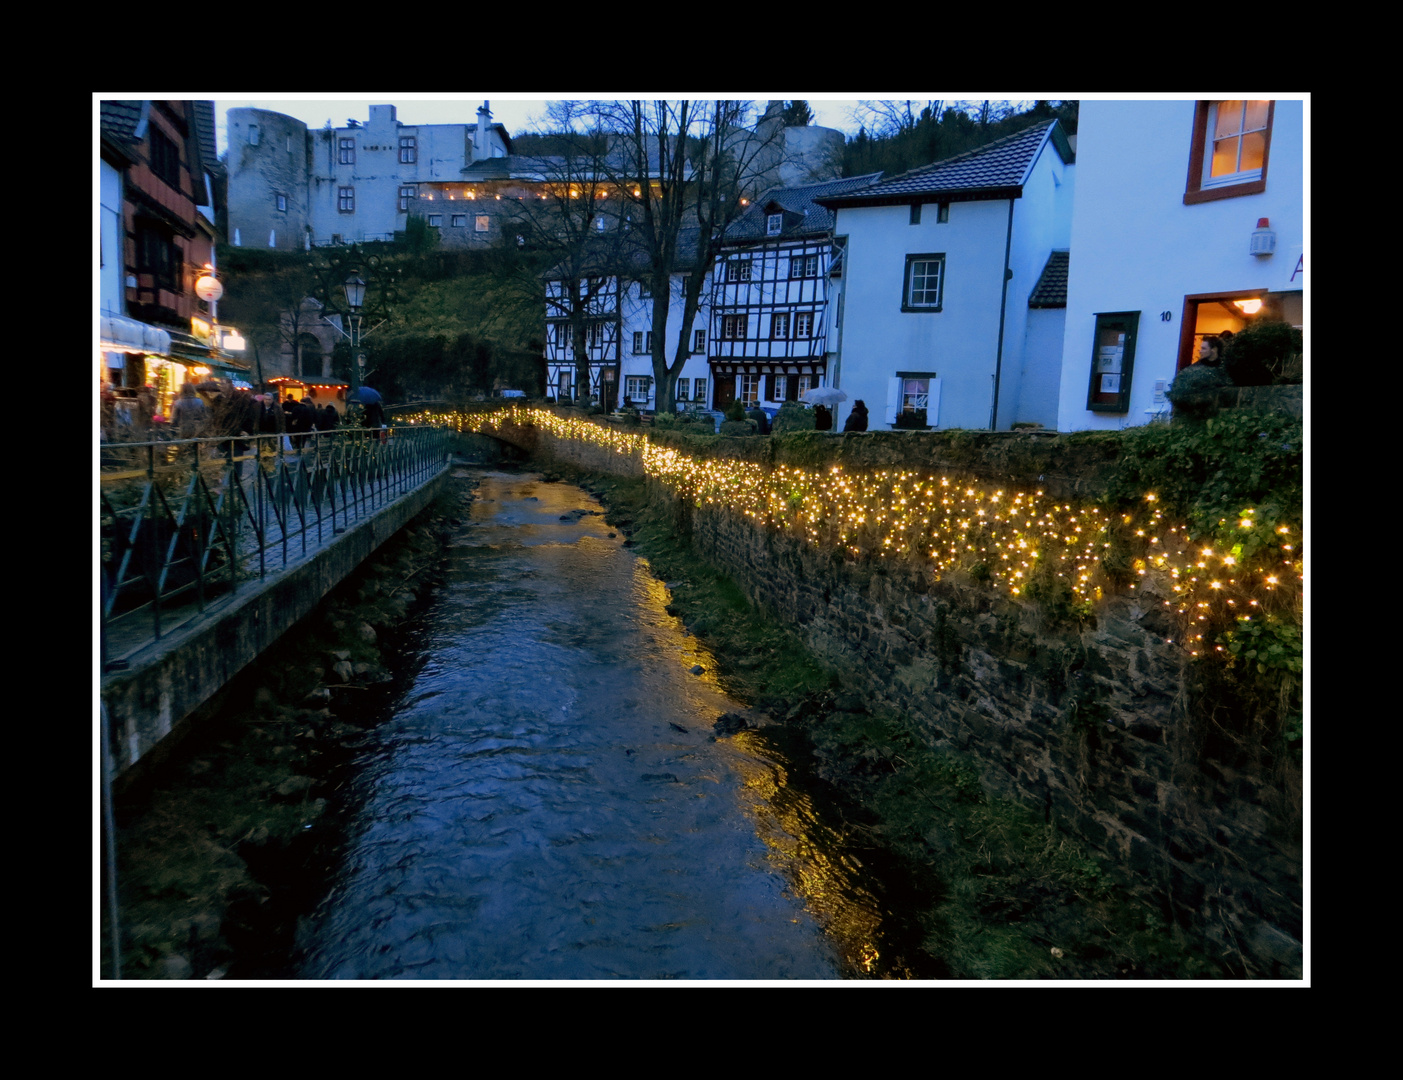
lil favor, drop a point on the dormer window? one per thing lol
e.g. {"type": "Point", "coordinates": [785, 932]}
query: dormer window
{"type": "Point", "coordinates": [774, 224]}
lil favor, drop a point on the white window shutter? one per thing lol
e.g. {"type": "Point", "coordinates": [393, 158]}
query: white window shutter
{"type": "Point", "coordinates": [933, 404]}
{"type": "Point", "coordinates": [893, 399]}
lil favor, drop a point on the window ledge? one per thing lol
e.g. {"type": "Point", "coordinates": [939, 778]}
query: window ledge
{"type": "Point", "coordinates": [1227, 191]}
{"type": "Point", "coordinates": [936, 308]}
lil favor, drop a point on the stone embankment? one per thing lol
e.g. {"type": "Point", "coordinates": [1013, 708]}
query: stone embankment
{"type": "Point", "coordinates": [1085, 721]}
{"type": "Point", "coordinates": [228, 843]}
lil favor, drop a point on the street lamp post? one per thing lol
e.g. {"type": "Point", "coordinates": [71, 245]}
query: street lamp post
{"type": "Point", "coordinates": [355, 299]}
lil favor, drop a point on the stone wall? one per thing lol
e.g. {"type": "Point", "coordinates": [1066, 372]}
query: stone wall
{"type": "Point", "coordinates": [1087, 724]}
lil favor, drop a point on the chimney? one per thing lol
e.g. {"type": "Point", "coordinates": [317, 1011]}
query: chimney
{"type": "Point", "coordinates": [481, 149]}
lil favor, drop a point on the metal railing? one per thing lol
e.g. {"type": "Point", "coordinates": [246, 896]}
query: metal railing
{"type": "Point", "coordinates": [182, 523]}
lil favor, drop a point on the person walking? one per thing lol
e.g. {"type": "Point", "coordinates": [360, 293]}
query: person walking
{"type": "Point", "coordinates": [188, 413]}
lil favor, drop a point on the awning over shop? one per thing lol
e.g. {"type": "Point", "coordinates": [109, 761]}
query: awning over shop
{"type": "Point", "coordinates": [120, 334]}
{"type": "Point", "coordinates": [191, 350]}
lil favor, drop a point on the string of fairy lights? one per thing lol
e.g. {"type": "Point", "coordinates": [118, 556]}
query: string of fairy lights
{"type": "Point", "coordinates": [1011, 538]}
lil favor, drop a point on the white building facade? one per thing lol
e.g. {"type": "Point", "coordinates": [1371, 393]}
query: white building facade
{"type": "Point", "coordinates": [291, 188]}
{"type": "Point", "coordinates": [1189, 216]}
{"type": "Point", "coordinates": [942, 263]}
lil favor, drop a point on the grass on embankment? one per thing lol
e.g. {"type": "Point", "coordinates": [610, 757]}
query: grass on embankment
{"type": "Point", "coordinates": [1008, 896]}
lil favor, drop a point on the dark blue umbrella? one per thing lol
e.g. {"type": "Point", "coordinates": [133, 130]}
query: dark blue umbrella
{"type": "Point", "coordinates": [363, 395]}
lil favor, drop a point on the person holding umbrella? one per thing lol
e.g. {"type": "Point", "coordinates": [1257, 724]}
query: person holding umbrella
{"type": "Point", "coordinates": [369, 399]}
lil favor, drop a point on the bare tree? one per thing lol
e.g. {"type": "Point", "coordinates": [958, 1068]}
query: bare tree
{"type": "Point", "coordinates": [687, 170]}
{"type": "Point", "coordinates": [573, 224]}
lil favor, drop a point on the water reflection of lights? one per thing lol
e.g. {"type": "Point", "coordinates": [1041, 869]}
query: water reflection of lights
{"type": "Point", "coordinates": [809, 853]}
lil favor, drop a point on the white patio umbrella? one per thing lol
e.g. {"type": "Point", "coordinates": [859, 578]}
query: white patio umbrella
{"type": "Point", "coordinates": [824, 395]}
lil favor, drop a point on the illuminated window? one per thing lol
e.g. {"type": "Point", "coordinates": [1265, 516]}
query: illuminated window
{"type": "Point", "coordinates": [1228, 156]}
{"type": "Point", "coordinates": [750, 389]}
{"type": "Point", "coordinates": [408, 149]}
{"type": "Point", "coordinates": [347, 151]}
{"type": "Point", "coordinates": [481, 222]}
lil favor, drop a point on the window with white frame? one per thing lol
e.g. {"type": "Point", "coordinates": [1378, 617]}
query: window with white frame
{"type": "Point", "coordinates": [682, 389]}
{"type": "Point", "coordinates": [1230, 149]}
{"type": "Point", "coordinates": [636, 388]}
{"type": "Point", "coordinates": [803, 324]}
{"type": "Point", "coordinates": [408, 149]}
{"type": "Point", "coordinates": [733, 327]}
{"type": "Point", "coordinates": [699, 390]}
{"type": "Point", "coordinates": [346, 200]}
{"type": "Point", "coordinates": [406, 192]}
{"type": "Point", "coordinates": [1237, 145]}
{"type": "Point", "coordinates": [779, 385]}
{"type": "Point", "coordinates": [563, 384]}
{"type": "Point", "coordinates": [774, 224]}
{"type": "Point", "coordinates": [699, 344]}
{"type": "Point", "coordinates": [805, 382]}
{"type": "Point", "coordinates": [637, 342]}
{"type": "Point", "coordinates": [779, 324]}
{"type": "Point", "coordinates": [915, 395]}
{"type": "Point", "coordinates": [738, 270]}
{"type": "Point", "coordinates": [802, 266]}
{"type": "Point", "coordinates": [596, 335]}
{"type": "Point", "coordinates": [924, 284]}
{"type": "Point", "coordinates": [347, 154]}
{"type": "Point", "coordinates": [750, 389]}
{"type": "Point", "coordinates": [482, 223]}
{"type": "Point", "coordinates": [282, 204]}
{"type": "Point", "coordinates": [458, 221]}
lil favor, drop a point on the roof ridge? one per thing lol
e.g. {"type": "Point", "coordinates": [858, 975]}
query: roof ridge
{"type": "Point", "coordinates": [971, 153]}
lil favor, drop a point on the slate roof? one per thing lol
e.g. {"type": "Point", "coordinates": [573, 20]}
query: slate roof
{"type": "Point", "coordinates": [204, 128]}
{"type": "Point", "coordinates": [118, 120]}
{"type": "Point", "coordinates": [751, 226]}
{"type": "Point", "coordinates": [1051, 289]}
{"type": "Point", "coordinates": [993, 171]}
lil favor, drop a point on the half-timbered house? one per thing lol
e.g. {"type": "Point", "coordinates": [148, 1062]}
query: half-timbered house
{"type": "Point", "coordinates": [775, 297]}
{"type": "Point", "coordinates": [599, 296]}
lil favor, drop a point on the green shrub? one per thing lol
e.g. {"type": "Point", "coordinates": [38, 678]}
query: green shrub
{"type": "Point", "coordinates": [735, 411]}
{"type": "Point", "coordinates": [1259, 355]}
{"type": "Point", "coordinates": [792, 417]}
{"type": "Point", "coordinates": [1194, 391]}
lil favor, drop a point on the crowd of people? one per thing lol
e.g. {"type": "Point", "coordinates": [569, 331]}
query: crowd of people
{"type": "Point", "coordinates": [217, 409]}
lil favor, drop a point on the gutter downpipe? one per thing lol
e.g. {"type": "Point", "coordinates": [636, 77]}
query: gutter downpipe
{"type": "Point", "coordinates": [1003, 305]}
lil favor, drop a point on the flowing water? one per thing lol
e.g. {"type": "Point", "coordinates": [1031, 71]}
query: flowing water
{"type": "Point", "coordinates": [548, 802]}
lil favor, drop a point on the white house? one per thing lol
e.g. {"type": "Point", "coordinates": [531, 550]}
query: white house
{"type": "Point", "coordinates": [1189, 216]}
{"type": "Point", "coordinates": [942, 263]}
